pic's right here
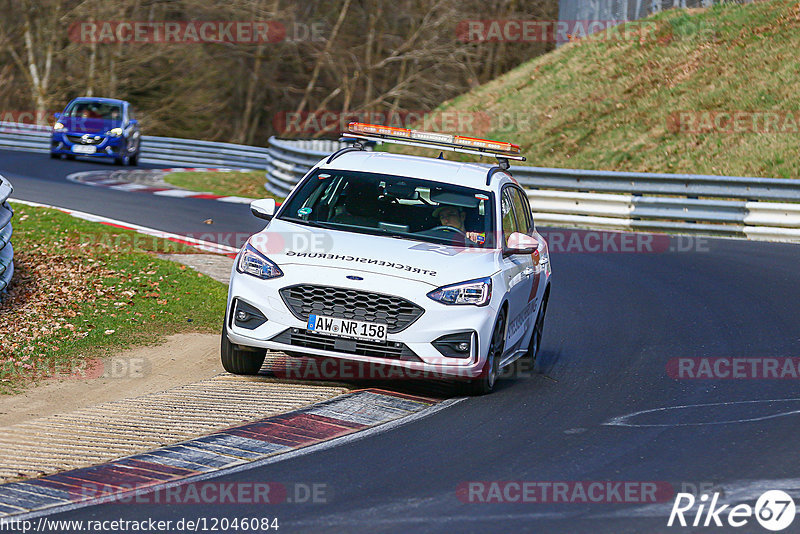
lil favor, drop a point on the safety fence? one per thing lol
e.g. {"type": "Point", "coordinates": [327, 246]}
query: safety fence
{"type": "Point", "coordinates": [754, 208]}
{"type": "Point", "coordinates": [157, 150]}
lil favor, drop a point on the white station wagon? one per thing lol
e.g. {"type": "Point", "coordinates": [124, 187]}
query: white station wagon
{"type": "Point", "coordinates": [423, 264]}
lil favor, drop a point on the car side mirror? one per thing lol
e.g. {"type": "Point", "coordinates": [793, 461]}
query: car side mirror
{"type": "Point", "coordinates": [57, 115]}
{"type": "Point", "coordinates": [519, 243]}
{"type": "Point", "coordinates": [133, 122]}
{"type": "Point", "coordinates": [263, 208]}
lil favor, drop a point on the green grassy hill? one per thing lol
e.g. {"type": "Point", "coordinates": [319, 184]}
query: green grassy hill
{"type": "Point", "coordinates": [614, 104]}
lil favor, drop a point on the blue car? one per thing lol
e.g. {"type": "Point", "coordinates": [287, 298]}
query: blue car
{"type": "Point", "coordinates": [97, 128]}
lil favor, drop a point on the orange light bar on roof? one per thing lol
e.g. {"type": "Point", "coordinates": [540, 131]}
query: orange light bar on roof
{"type": "Point", "coordinates": [486, 144]}
{"type": "Point", "coordinates": [360, 127]}
{"type": "Point", "coordinates": [434, 137]}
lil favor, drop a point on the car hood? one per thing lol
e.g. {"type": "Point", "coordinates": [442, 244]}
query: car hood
{"type": "Point", "coordinates": [287, 244]}
{"type": "Point", "coordinates": [81, 125]}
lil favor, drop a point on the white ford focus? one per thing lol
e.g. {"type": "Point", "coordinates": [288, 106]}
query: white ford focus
{"type": "Point", "coordinates": [427, 265]}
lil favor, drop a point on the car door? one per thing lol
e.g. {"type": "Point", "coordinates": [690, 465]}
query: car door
{"type": "Point", "coordinates": [517, 271]}
{"type": "Point", "coordinates": [522, 209]}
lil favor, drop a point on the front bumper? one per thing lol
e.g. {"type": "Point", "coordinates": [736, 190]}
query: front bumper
{"type": "Point", "coordinates": [410, 348]}
{"type": "Point", "coordinates": [106, 146]}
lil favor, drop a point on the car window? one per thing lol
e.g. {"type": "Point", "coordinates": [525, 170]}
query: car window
{"type": "Point", "coordinates": [522, 209]}
{"type": "Point", "coordinates": [507, 214]}
{"type": "Point", "coordinates": [86, 109]}
{"type": "Point", "coordinates": [419, 209]}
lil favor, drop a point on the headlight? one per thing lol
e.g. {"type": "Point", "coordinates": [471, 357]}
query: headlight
{"type": "Point", "coordinates": [254, 263]}
{"type": "Point", "coordinates": [57, 127]}
{"type": "Point", "coordinates": [114, 132]}
{"type": "Point", "coordinates": [475, 292]}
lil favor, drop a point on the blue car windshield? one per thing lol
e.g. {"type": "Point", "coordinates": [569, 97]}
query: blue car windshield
{"type": "Point", "coordinates": [85, 109]}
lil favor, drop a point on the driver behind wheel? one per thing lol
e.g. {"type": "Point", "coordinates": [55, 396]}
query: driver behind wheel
{"type": "Point", "coordinates": [454, 216]}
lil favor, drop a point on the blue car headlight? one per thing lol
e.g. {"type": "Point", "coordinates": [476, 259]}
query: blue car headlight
{"type": "Point", "coordinates": [254, 263]}
{"type": "Point", "coordinates": [114, 132]}
{"type": "Point", "coordinates": [476, 292]}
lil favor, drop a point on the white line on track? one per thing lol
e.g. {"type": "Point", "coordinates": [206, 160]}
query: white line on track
{"type": "Point", "coordinates": [624, 420]}
{"type": "Point", "coordinates": [197, 243]}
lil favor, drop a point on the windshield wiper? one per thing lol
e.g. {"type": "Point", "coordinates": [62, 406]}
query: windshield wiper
{"type": "Point", "coordinates": [315, 224]}
{"type": "Point", "coordinates": [373, 231]}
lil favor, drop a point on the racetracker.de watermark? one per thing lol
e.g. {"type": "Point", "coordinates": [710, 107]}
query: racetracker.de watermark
{"type": "Point", "coordinates": [480, 123]}
{"type": "Point", "coordinates": [742, 368]}
{"type": "Point", "coordinates": [194, 32]}
{"type": "Point", "coordinates": [553, 31]}
{"type": "Point", "coordinates": [326, 369]}
{"type": "Point", "coordinates": [598, 241]}
{"type": "Point", "coordinates": [209, 492]}
{"type": "Point", "coordinates": [294, 243]}
{"type": "Point", "coordinates": [118, 367]}
{"type": "Point", "coordinates": [734, 122]}
{"type": "Point", "coordinates": [567, 492]}
{"type": "Point", "coordinates": [25, 120]}
{"type": "Point", "coordinates": [266, 242]}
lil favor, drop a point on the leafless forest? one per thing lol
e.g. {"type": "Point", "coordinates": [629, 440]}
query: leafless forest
{"type": "Point", "coordinates": [342, 55]}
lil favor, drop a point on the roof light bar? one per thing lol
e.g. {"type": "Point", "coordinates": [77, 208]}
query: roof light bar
{"type": "Point", "coordinates": [455, 143]}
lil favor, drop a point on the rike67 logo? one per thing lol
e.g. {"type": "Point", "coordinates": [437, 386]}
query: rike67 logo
{"type": "Point", "coordinates": [774, 510]}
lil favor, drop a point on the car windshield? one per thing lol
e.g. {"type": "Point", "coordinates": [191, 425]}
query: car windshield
{"type": "Point", "coordinates": [424, 210]}
{"type": "Point", "coordinates": [93, 110]}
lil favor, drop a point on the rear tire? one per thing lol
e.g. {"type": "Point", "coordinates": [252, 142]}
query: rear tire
{"type": "Point", "coordinates": [491, 369]}
{"type": "Point", "coordinates": [237, 361]}
{"type": "Point", "coordinates": [134, 160]}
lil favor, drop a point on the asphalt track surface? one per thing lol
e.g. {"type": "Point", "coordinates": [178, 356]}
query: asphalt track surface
{"type": "Point", "coordinates": [614, 322]}
{"type": "Point", "coordinates": [38, 178]}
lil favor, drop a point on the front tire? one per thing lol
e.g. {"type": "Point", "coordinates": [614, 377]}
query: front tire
{"type": "Point", "coordinates": [536, 337]}
{"type": "Point", "coordinates": [237, 361]}
{"type": "Point", "coordinates": [491, 369]}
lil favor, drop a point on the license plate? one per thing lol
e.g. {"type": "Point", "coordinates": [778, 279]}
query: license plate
{"type": "Point", "coordinates": [346, 328]}
{"type": "Point", "coordinates": [84, 149]}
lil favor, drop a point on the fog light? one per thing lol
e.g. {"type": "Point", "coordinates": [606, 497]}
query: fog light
{"type": "Point", "coordinates": [247, 316]}
{"type": "Point", "coordinates": [455, 345]}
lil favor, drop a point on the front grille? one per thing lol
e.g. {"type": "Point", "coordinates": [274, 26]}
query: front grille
{"type": "Point", "coordinates": [395, 312]}
{"type": "Point", "coordinates": [89, 141]}
{"type": "Point", "coordinates": [392, 350]}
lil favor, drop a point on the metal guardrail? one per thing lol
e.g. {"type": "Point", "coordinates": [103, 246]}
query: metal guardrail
{"type": "Point", "coordinates": [158, 150]}
{"type": "Point", "coordinates": [289, 161]}
{"type": "Point", "coordinates": [755, 208]}
{"type": "Point", "coordinates": [6, 249]}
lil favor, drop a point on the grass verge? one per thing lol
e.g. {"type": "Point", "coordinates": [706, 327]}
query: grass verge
{"type": "Point", "coordinates": [83, 290]}
{"type": "Point", "coordinates": [617, 104]}
{"type": "Point", "coordinates": [248, 184]}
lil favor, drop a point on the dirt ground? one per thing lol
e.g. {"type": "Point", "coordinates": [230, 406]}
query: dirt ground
{"type": "Point", "coordinates": [183, 359]}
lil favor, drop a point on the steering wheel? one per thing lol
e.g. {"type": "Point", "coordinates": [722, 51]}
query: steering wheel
{"type": "Point", "coordinates": [449, 229]}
